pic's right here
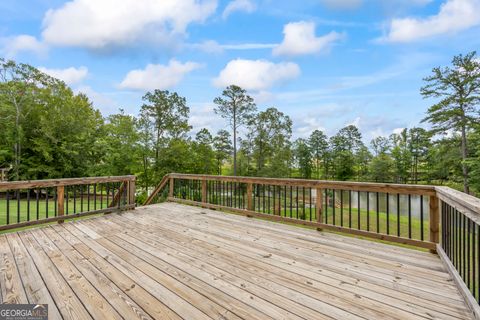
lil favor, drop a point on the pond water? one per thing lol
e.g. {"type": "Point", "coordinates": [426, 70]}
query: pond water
{"type": "Point", "coordinates": [394, 202]}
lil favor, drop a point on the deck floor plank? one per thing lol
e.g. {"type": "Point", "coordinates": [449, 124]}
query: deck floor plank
{"type": "Point", "coordinates": [172, 261]}
{"type": "Point", "coordinates": [322, 287]}
{"type": "Point", "coordinates": [10, 282]}
{"type": "Point", "coordinates": [443, 291]}
{"type": "Point", "coordinates": [32, 280]}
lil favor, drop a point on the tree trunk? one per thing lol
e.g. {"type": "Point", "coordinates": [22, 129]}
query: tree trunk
{"type": "Point", "coordinates": [234, 141]}
{"type": "Point", "coordinates": [466, 187]}
{"type": "Point", "coordinates": [17, 146]}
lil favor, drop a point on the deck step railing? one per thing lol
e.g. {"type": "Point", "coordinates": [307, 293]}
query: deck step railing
{"type": "Point", "coordinates": [25, 203]}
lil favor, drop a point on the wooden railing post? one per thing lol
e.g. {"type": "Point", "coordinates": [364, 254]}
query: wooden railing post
{"type": "Point", "coordinates": [131, 192]}
{"type": "Point", "coordinates": [60, 202]}
{"type": "Point", "coordinates": [171, 184]}
{"type": "Point", "coordinates": [249, 197]}
{"type": "Point", "coordinates": [318, 206]}
{"type": "Point", "coordinates": [204, 191]}
{"type": "Point", "coordinates": [434, 220]}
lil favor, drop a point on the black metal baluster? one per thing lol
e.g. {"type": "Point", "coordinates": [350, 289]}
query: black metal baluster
{"type": "Point", "coordinates": [377, 206]}
{"type": "Point", "coordinates": [8, 207]}
{"type": "Point", "coordinates": [28, 204]}
{"type": "Point", "coordinates": [284, 201]}
{"type": "Point", "coordinates": [333, 206]}
{"type": "Point", "coordinates": [95, 196]}
{"type": "Point", "coordinates": [101, 196]}
{"type": "Point", "coordinates": [310, 198]}
{"type": "Point", "coordinates": [464, 231]}
{"type": "Point", "coordinates": [478, 263]}
{"type": "Point", "coordinates": [474, 261]}
{"type": "Point", "coordinates": [263, 197]}
{"type": "Point", "coordinates": [358, 210]}
{"type": "Point", "coordinates": [368, 211]}
{"type": "Point", "coordinates": [398, 215]}
{"type": "Point", "coordinates": [66, 199]}
{"type": "Point", "coordinates": [421, 218]}
{"type": "Point", "coordinates": [37, 196]}
{"type": "Point", "coordinates": [46, 202]}
{"type": "Point", "coordinates": [326, 205]}
{"type": "Point", "coordinates": [303, 202]}
{"type": "Point", "coordinates": [81, 196]}
{"type": "Point", "coordinates": [296, 196]}
{"type": "Point", "coordinates": [18, 206]}
{"type": "Point", "coordinates": [457, 238]}
{"type": "Point", "coordinates": [55, 202]}
{"type": "Point", "coordinates": [88, 196]}
{"type": "Point", "coordinates": [341, 208]}
{"type": "Point", "coordinates": [350, 209]}
{"type": "Point", "coordinates": [410, 216]}
{"type": "Point", "coordinates": [268, 200]}
{"type": "Point", "coordinates": [291, 201]}
{"type": "Point", "coordinates": [388, 212]}
{"type": "Point", "coordinates": [468, 252]}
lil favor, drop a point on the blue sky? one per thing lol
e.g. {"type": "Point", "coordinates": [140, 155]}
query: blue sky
{"type": "Point", "coordinates": [325, 63]}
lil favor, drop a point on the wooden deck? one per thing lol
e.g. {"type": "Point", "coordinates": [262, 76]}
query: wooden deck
{"type": "Point", "coordinates": [172, 261]}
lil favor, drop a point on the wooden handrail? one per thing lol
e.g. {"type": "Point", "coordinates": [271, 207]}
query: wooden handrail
{"type": "Point", "coordinates": [344, 185]}
{"type": "Point", "coordinates": [30, 184]}
{"type": "Point", "coordinates": [159, 187]}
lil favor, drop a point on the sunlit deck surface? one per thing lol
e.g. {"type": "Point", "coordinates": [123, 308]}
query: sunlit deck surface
{"type": "Point", "coordinates": [171, 261]}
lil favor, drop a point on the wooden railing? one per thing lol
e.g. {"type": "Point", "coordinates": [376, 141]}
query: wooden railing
{"type": "Point", "coordinates": [460, 243]}
{"type": "Point", "coordinates": [25, 203]}
{"type": "Point", "coordinates": [406, 214]}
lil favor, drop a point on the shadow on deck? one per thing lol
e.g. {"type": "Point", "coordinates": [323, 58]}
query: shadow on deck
{"type": "Point", "coordinates": [172, 261]}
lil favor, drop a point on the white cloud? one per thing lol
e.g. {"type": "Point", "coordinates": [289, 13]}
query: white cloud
{"type": "Point", "coordinates": [23, 43]}
{"type": "Point", "coordinates": [238, 5]}
{"type": "Point", "coordinates": [342, 4]}
{"type": "Point", "coordinates": [99, 24]}
{"type": "Point", "coordinates": [212, 46]}
{"type": "Point", "coordinates": [157, 76]}
{"type": "Point", "coordinates": [100, 100]}
{"type": "Point", "coordinates": [202, 115]}
{"type": "Point", "coordinates": [300, 39]}
{"type": "Point", "coordinates": [70, 75]}
{"type": "Point", "coordinates": [454, 16]}
{"type": "Point", "coordinates": [256, 75]}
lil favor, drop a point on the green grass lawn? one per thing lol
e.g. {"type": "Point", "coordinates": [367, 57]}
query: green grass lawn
{"type": "Point", "coordinates": [28, 211]}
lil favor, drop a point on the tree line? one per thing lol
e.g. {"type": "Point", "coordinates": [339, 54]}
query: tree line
{"type": "Point", "coordinates": [48, 131]}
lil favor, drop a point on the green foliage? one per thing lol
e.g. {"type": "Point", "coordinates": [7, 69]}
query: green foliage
{"type": "Point", "coordinates": [223, 148]}
{"type": "Point", "coordinates": [318, 143]}
{"type": "Point", "coordinates": [270, 132]}
{"type": "Point", "coordinates": [303, 158]}
{"type": "Point", "coordinates": [458, 88]}
{"type": "Point", "coordinates": [238, 108]}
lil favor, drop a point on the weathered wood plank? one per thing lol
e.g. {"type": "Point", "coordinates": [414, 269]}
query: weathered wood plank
{"type": "Point", "coordinates": [344, 185]}
{"type": "Point", "coordinates": [110, 291]}
{"type": "Point", "coordinates": [151, 305]}
{"type": "Point", "coordinates": [66, 300]}
{"type": "Point", "coordinates": [10, 283]}
{"type": "Point", "coordinates": [363, 302]}
{"type": "Point", "coordinates": [31, 279]}
{"type": "Point", "coordinates": [93, 301]}
{"type": "Point", "coordinates": [341, 281]}
{"type": "Point", "coordinates": [31, 184]}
